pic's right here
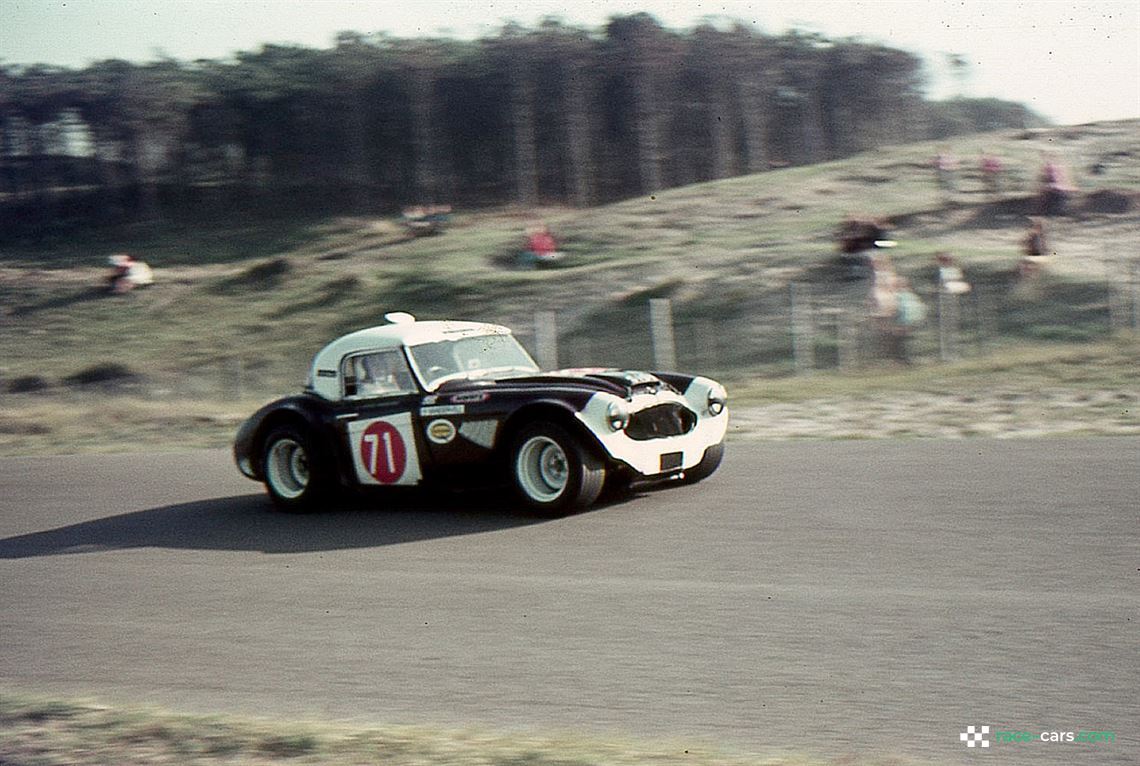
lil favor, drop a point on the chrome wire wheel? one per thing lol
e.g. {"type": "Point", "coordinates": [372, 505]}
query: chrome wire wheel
{"type": "Point", "coordinates": [287, 469]}
{"type": "Point", "coordinates": [542, 469]}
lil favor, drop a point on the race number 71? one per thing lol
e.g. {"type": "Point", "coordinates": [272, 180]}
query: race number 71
{"type": "Point", "coordinates": [383, 453]}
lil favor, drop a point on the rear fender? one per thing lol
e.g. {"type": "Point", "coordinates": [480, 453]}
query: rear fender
{"type": "Point", "coordinates": [298, 412]}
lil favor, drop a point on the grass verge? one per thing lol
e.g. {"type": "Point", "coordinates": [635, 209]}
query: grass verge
{"type": "Point", "coordinates": [1074, 389]}
{"type": "Point", "coordinates": [52, 732]}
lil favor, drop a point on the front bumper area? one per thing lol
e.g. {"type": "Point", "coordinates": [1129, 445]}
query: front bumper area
{"type": "Point", "coordinates": [658, 455]}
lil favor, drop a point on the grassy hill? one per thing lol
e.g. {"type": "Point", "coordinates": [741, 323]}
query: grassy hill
{"type": "Point", "coordinates": [241, 305]}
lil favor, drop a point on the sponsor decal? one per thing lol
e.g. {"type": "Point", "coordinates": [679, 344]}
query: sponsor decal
{"type": "Point", "coordinates": [441, 431]}
{"type": "Point", "coordinates": [480, 396]}
{"type": "Point", "coordinates": [442, 409]}
{"type": "Point", "coordinates": [383, 453]}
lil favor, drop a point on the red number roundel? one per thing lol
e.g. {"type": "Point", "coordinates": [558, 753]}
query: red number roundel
{"type": "Point", "coordinates": [383, 452]}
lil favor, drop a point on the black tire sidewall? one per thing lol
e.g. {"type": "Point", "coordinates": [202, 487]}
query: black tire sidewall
{"type": "Point", "coordinates": [580, 488]}
{"type": "Point", "coordinates": [314, 489]}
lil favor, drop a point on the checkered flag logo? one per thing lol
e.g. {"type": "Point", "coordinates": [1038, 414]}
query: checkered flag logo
{"type": "Point", "coordinates": [975, 736]}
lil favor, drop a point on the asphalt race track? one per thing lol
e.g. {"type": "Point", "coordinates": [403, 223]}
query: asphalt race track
{"type": "Point", "coordinates": [830, 598]}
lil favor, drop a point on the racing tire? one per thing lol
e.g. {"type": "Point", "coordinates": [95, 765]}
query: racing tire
{"type": "Point", "coordinates": [552, 472]}
{"type": "Point", "coordinates": [292, 473]}
{"type": "Point", "coordinates": [618, 486]}
{"type": "Point", "coordinates": [707, 467]}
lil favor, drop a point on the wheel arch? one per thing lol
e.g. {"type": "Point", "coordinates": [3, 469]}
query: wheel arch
{"type": "Point", "coordinates": [290, 414]}
{"type": "Point", "coordinates": [555, 412]}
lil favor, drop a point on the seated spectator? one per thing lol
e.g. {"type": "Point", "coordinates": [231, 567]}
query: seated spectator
{"type": "Point", "coordinates": [127, 274]}
{"type": "Point", "coordinates": [541, 248]}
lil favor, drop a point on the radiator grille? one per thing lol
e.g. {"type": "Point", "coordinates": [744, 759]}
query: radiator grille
{"type": "Point", "coordinates": [661, 421]}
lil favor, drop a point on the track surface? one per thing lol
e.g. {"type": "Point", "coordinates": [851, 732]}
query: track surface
{"type": "Point", "coordinates": [831, 598]}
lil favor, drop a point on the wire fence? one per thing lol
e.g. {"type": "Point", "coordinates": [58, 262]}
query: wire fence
{"type": "Point", "coordinates": [828, 328]}
{"type": "Point", "coordinates": [800, 329]}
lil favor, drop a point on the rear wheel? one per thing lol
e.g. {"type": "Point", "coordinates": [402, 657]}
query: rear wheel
{"type": "Point", "coordinates": [292, 474]}
{"type": "Point", "coordinates": [552, 472]}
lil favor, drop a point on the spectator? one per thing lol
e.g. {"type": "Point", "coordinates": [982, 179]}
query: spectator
{"type": "Point", "coordinates": [991, 174]}
{"type": "Point", "coordinates": [945, 168]}
{"type": "Point", "coordinates": [894, 309]}
{"type": "Point", "coordinates": [127, 274]}
{"type": "Point", "coordinates": [541, 248]}
{"type": "Point", "coordinates": [1054, 187]}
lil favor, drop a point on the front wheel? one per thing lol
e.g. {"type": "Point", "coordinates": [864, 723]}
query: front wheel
{"type": "Point", "coordinates": [552, 472]}
{"type": "Point", "coordinates": [292, 476]}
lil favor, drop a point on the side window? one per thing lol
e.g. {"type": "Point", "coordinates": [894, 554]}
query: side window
{"type": "Point", "coordinates": [377, 373]}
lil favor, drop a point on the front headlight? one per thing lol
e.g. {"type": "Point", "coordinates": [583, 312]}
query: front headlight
{"type": "Point", "coordinates": [718, 398]}
{"type": "Point", "coordinates": [617, 415]}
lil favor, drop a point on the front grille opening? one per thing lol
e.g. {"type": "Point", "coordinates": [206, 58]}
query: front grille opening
{"type": "Point", "coordinates": [661, 421]}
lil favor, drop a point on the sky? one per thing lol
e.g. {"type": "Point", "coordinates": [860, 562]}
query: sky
{"type": "Point", "coordinates": [1073, 62]}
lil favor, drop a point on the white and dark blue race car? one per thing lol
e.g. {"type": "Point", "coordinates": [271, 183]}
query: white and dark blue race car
{"type": "Point", "coordinates": [450, 403]}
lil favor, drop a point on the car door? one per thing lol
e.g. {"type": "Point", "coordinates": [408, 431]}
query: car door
{"type": "Point", "coordinates": [379, 398]}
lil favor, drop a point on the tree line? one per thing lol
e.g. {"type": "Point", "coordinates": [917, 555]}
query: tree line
{"type": "Point", "coordinates": [552, 114]}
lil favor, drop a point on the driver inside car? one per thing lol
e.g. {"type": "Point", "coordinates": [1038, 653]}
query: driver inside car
{"type": "Point", "coordinates": [379, 374]}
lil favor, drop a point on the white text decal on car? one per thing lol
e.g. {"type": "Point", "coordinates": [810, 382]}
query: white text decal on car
{"type": "Point", "coordinates": [442, 409]}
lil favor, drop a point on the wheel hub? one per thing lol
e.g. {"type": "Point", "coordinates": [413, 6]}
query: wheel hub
{"type": "Point", "coordinates": [542, 468]}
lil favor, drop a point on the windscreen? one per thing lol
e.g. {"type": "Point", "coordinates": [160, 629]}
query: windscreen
{"type": "Point", "coordinates": [471, 357]}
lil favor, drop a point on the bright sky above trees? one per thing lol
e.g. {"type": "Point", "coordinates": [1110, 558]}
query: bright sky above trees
{"type": "Point", "coordinates": [1070, 61]}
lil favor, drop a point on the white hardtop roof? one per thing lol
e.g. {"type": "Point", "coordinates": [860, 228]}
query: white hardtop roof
{"type": "Point", "coordinates": [399, 334]}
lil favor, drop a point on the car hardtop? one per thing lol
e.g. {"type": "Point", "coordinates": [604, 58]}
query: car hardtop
{"type": "Point", "coordinates": [405, 331]}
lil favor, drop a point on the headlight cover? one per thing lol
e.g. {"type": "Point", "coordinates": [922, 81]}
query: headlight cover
{"type": "Point", "coordinates": [617, 415]}
{"type": "Point", "coordinates": [717, 399]}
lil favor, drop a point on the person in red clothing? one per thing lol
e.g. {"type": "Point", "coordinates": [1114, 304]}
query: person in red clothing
{"type": "Point", "coordinates": [540, 246]}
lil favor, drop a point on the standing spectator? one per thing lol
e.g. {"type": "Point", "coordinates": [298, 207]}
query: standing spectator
{"type": "Point", "coordinates": [1054, 187]}
{"type": "Point", "coordinates": [883, 305]}
{"type": "Point", "coordinates": [894, 308]}
{"type": "Point", "coordinates": [945, 167]}
{"type": "Point", "coordinates": [991, 174]}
